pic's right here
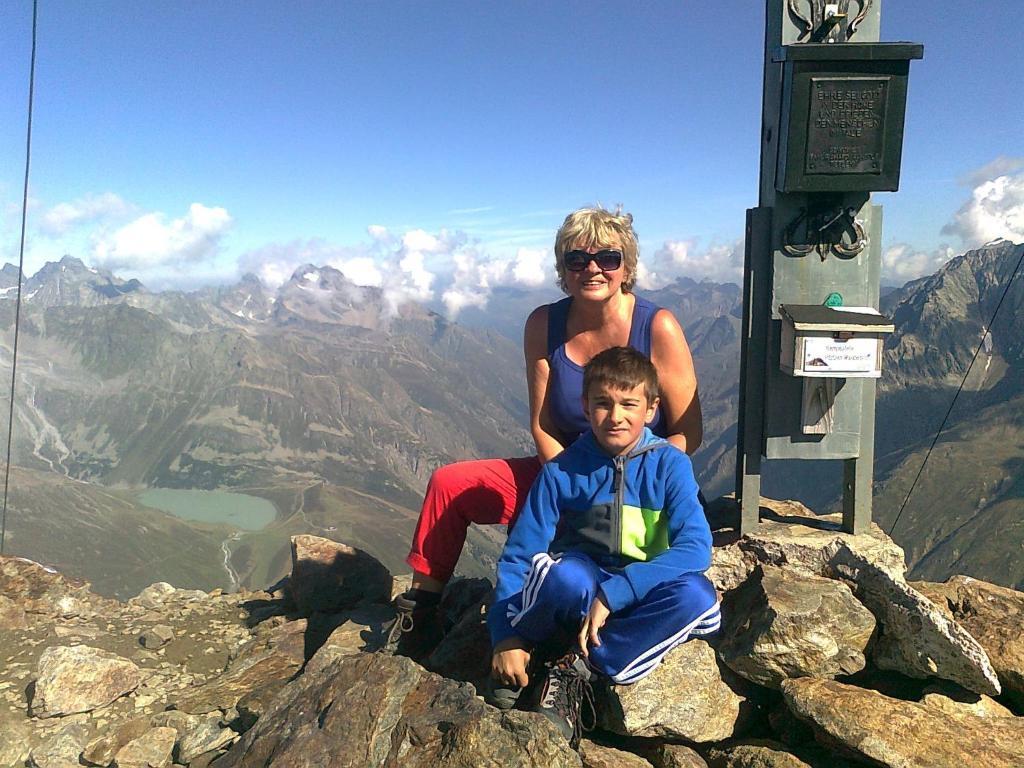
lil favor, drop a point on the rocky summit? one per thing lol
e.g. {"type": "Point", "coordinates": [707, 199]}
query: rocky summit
{"type": "Point", "coordinates": [827, 656]}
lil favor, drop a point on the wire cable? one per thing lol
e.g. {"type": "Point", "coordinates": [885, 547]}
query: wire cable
{"type": "Point", "coordinates": [21, 266]}
{"type": "Point", "coordinates": [988, 329]}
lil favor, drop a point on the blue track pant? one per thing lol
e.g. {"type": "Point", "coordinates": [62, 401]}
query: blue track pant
{"type": "Point", "coordinates": [557, 596]}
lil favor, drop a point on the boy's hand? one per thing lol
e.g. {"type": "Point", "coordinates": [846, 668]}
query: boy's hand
{"type": "Point", "coordinates": [592, 622]}
{"type": "Point", "coordinates": [509, 662]}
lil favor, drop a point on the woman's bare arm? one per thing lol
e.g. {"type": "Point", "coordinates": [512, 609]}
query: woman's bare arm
{"type": "Point", "coordinates": [535, 343]}
{"type": "Point", "coordinates": [680, 404]}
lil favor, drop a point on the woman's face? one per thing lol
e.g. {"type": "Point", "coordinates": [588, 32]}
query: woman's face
{"type": "Point", "coordinates": [594, 283]}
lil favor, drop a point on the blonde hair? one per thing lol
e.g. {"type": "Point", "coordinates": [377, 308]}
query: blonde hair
{"type": "Point", "coordinates": [598, 227]}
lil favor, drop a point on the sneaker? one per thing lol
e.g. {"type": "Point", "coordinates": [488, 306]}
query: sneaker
{"type": "Point", "coordinates": [415, 631]}
{"type": "Point", "coordinates": [502, 696]}
{"type": "Point", "coordinates": [566, 696]}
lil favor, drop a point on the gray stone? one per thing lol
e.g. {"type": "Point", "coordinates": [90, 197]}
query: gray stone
{"type": "Point", "coordinates": [598, 756]}
{"type": "Point", "coordinates": [80, 679]}
{"type": "Point", "coordinates": [684, 698]}
{"type": "Point", "coordinates": [676, 756]}
{"type": "Point", "coordinates": [101, 750]}
{"type": "Point", "coordinates": [60, 750]}
{"type": "Point", "coordinates": [209, 736]}
{"type": "Point", "coordinates": [904, 734]}
{"type": "Point", "coordinates": [328, 576]}
{"type": "Point", "coordinates": [994, 616]}
{"type": "Point", "coordinates": [370, 710]}
{"type": "Point", "coordinates": [156, 636]}
{"type": "Point", "coordinates": [153, 596]}
{"type": "Point", "coordinates": [782, 624]}
{"type": "Point", "coordinates": [916, 638]}
{"type": "Point", "coordinates": [14, 742]}
{"type": "Point", "coordinates": [151, 750]}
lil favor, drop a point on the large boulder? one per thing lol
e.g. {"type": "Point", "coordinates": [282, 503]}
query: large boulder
{"type": "Point", "coordinates": [374, 710]}
{"type": "Point", "coordinates": [37, 589]}
{"type": "Point", "coordinates": [150, 750]}
{"type": "Point", "coordinates": [782, 624]}
{"type": "Point", "coordinates": [329, 577]}
{"type": "Point", "coordinates": [994, 616]}
{"type": "Point", "coordinates": [78, 678]}
{"type": "Point", "coordinates": [916, 639]}
{"type": "Point", "coordinates": [903, 734]}
{"type": "Point", "coordinates": [684, 698]}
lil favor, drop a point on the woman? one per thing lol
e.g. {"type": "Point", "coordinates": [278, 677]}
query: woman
{"type": "Point", "coordinates": [596, 259]}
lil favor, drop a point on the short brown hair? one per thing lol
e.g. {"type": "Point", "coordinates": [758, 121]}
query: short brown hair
{"type": "Point", "coordinates": [621, 368]}
{"type": "Point", "coordinates": [598, 227]}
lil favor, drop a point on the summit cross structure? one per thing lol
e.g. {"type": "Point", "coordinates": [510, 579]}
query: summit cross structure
{"type": "Point", "coordinates": [831, 133]}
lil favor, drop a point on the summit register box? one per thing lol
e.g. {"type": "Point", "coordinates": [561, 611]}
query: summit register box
{"type": "Point", "coordinates": [843, 108]}
{"type": "Point", "coordinates": [832, 342]}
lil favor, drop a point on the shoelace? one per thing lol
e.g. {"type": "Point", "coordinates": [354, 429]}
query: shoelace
{"type": "Point", "coordinates": [577, 692]}
{"type": "Point", "coordinates": [403, 623]}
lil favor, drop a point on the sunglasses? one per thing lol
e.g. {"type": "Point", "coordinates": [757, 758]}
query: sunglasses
{"type": "Point", "coordinates": [607, 261]}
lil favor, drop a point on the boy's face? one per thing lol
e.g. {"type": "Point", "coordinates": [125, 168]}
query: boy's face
{"type": "Point", "coordinates": [618, 416]}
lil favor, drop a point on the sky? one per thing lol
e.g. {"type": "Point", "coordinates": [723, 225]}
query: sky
{"type": "Point", "coordinates": [433, 148]}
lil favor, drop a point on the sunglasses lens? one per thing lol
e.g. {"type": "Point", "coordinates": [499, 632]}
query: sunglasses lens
{"type": "Point", "coordinates": [608, 260]}
{"type": "Point", "coordinates": [576, 261]}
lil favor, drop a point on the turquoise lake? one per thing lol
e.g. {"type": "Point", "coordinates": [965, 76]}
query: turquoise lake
{"type": "Point", "coordinates": [247, 513]}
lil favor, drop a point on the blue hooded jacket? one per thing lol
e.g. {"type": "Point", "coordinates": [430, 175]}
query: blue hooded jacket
{"type": "Point", "coordinates": [636, 515]}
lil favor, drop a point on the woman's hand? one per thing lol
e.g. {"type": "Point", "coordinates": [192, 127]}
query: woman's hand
{"type": "Point", "coordinates": [509, 662]}
{"type": "Point", "coordinates": [593, 622]}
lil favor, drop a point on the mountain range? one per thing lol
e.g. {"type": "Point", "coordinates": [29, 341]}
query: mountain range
{"type": "Point", "coordinates": [336, 406]}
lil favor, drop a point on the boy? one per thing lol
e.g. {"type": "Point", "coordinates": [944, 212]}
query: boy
{"type": "Point", "coordinates": [608, 552]}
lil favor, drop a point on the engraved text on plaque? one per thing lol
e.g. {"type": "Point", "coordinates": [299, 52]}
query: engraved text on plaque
{"type": "Point", "coordinates": [846, 125]}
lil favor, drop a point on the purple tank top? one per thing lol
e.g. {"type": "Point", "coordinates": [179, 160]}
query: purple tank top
{"type": "Point", "coordinates": [565, 379]}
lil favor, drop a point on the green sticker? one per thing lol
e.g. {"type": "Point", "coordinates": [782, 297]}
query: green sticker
{"type": "Point", "coordinates": [834, 300]}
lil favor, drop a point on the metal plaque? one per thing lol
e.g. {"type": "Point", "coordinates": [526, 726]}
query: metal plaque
{"type": "Point", "coordinates": [846, 125]}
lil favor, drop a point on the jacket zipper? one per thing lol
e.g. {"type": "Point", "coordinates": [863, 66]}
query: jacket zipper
{"type": "Point", "coordinates": [618, 488]}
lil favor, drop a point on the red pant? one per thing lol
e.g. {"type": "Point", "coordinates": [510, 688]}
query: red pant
{"type": "Point", "coordinates": [488, 491]}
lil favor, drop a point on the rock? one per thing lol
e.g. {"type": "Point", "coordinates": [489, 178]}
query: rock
{"type": "Point", "coordinates": [269, 661]}
{"type": "Point", "coordinates": [954, 699]}
{"type": "Point", "coordinates": [465, 652]}
{"type": "Point", "coordinates": [41, 590]}
{"type": "Point", "coordinates": [209, 736]}
{"type": "Point", "coordinates": [373, 710]}
{"type": "Point", "coordinates": [755, 753]}
{"type": "Point", "coordinates": [101, 750]}
{"type": "Point", "coordinates": [782, 624]}
{"type": "Point", "coordinates": [329, 577]}
{"type": "Point", "coordinates": [182, 722]}
{"type": "Point", "coordinates": [596, 756]}
{"type": "Point", "coordinates": [78, 678]}
{"type": "Point", "coordinates": [12, 615]}
{"type": "Point", "coordinates": [153, 596]}
{"type": "Point", "coordinates": [156, 637]}
{"type": "Point", "coordinates": [14, 742]}
{"type": "Point", "coordinates": [916, 639]}
{"type": "Point", "coordinates": [904, 734]}
{"type": "Point", "coordinates": [994, 616]}
{"type": "Point", "coordinates": [151, 750]}
{"type": "Point", "coordinates": [60, 750]}
{"type": "Point", "coordinates": [362, 630]}
{"type": "Point", "coordinates": [792, 535]}
{"type": "Point", "coordinates": [676, 756]}
{"type": "Point", "coordinates": [684, 698]}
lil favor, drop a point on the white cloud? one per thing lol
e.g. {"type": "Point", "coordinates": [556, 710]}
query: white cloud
{"type": "Point", "coordinates": [995, 208]}
{"type": "Point", "coordinates": [903, 262]}
{"type": "Point", "coordinates": [1003, 165]}
{"type": "Point", "coordinates": [63, 217]}
{"type": "Point", "coordinates": [721, 263]}
{"type": "Point", "coordinates": [151, 241]}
